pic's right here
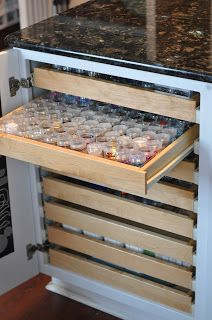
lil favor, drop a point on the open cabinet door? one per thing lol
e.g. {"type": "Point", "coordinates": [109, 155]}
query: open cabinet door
{"type": "Point", "coordinates": [16, 208]}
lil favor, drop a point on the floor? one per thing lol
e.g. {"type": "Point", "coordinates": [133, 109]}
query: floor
{"type": "Point", "coordinates": [31, 301]}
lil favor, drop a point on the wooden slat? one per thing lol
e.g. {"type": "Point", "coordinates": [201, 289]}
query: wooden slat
{"type": "Point", "coordinates": [109, 92]}
{"type": "Point", "coordinates": [123, 232]}
{"type": "Point", "coordinates": [185, 171]}
{"type": "Point", "coordinates": [121, 280]}
{"type": "Point", "coordinates": [120, 207]}
{"type": "Point", "coordinates": [121, 257]}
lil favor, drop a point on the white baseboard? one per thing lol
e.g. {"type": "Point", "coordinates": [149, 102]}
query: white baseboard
{"type": "Point", "coordinates": [113, 301]}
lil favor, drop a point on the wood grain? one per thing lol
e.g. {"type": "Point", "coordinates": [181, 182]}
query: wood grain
{"type": "Point", "coordinates": [119, 207]}
{"type": "Point", "coordinates": [185, 171]}
{"type": "Point", "coordinates": [122, 280]}
{"type": "Point", "coordinates": [81, 165]}
{"type": "Point", "coordinates": [172, 195]}
{"type": "Point", "coordinates": [119, 231]}
{"type": "Point", "coordinates": [172, 154]}
{"type": "Point", "coordinates": [113, 174]}
{"type": "Point", "coordinates": [119, 94]}
{"type": "Point", "coordinates": [121, 257]}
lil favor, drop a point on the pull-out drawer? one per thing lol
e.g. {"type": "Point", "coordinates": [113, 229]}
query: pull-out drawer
{"type": "Point", "coordinates": [133, 284]}
{"type": "Point", "coordinates": [178, 107]}
{"type": "Point", "coordinates": [121, 231]}
{"type": "Point", "coordinates": [123, 208]}
{"type": "Point", "coordinates": [122, 257]}
{"type": "Point", "coordinates": [99, 170]}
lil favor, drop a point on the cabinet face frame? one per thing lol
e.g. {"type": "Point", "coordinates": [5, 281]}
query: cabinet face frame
{"type": "Point", "coordinates": [203, 306]}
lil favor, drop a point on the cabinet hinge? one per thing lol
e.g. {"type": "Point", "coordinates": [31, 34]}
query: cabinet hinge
{"type": "Point", "coordinates": [16, 84]}
{"type": "Point", "coordinates": [32, 248]}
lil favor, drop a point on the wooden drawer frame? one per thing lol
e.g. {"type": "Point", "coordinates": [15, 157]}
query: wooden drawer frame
{"type": "Point", "coordinates": [120, 207]}
{"type": "Point", "coordinates": [122, 280]}
{"type": "Point", "coordinates": [121, 257]}
{"type": "Point", "coordinates": [120, 231]}
{"type": "Point", "coordinates": [110, 92]}
{"type": "Point", "coordinates": [186, 170]}
{"type": "Point", "coordinates": [102, 171]}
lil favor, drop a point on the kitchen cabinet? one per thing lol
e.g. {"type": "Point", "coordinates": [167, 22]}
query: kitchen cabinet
{"type": "Point", "coordinates": [51, 184]}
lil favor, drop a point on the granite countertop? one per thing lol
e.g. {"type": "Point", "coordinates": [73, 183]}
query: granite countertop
{"type": "Point", "coordinates": [163, 36]}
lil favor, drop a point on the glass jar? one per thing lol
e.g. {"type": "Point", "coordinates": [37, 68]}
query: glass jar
{"type": "Point", "coordinates": [121, 129]}
{"type": "Point", "coordinates": [133, 132]}
{"type": "Point", "coordinates": [50, 138]}
{"type": "Point", "coordinates": [109, 151]}
{"type": "Point", "coordinates": [77, 143]}
{"type": "Point", "coordinates": [149, 135]}
{"type": "Point", "coordinates": [95, 149]}
{"type": "Point", "coordinates": [63, 141]}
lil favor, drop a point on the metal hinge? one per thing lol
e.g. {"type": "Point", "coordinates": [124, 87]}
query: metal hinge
{"type": "Point", "coordinates": [16, 84]}
{"type": "Point", "coordinates": [31, 249]}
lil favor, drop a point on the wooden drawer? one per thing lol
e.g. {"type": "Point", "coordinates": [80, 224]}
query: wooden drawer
{"type": "Point", "coordinates": [116, 93]}
{"type": "Point", "coordinates": [120, 207]}
{"type": "Point", "coordinates": [121, 231]}
{"type": "Point", "coordinates": [121, 257]}
{"type": "Point", "coordinates": [122, 280]}
{"type": "Point", "coordinates": [102, 171]}
{"type": "Point", "coordinates": [156, 279]}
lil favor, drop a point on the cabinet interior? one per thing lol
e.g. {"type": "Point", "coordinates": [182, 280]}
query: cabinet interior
{"type": "Point", "coordinates": [137, 240]}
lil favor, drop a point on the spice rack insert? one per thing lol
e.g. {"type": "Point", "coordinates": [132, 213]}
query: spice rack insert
{"type": "Point", "coordinates": [124, 221]}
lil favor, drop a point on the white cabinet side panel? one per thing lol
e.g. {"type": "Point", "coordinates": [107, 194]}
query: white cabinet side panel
{"type": "Point", "coordinates": [14, 267]}
{"type": "Point", "coordinates": [9, 67]}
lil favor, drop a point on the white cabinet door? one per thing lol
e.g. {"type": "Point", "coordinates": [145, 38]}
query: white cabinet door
{"type": "Point", "coordinates": [15, 268]}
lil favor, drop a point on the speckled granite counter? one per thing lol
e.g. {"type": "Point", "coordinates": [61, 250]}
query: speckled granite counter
{"type": "Point", "coordinates": [169, 37]}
